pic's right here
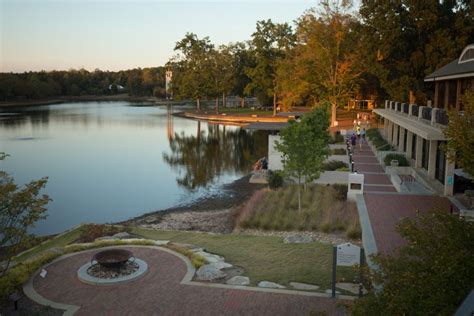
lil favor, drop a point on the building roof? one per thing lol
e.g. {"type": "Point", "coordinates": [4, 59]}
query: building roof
{"type": "Point", "coordinates": [461, 67]}
{"type": "Point", "coordinates": [263, 126]}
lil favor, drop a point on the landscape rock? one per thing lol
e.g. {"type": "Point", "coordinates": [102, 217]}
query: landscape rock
{"type": "Point", "coordinates": [209, 257]}
{"type": "Point", "coordinates": [270, 285]}
{"type": "Point", "coordinates": [220, 265]}
{"type": "Point", "coordinates": [297, 239]}
{"type": "Point", "coordinates": [121, 235]}
{"type": "Point", "coordinates": [304, 286]}
{"type": "Point", "coordinates": [161, 242]}
{"type": "Point", "coordinates": [209, 273]}
{"type": "Point", "coordinates": [350, 287]}
{"type": "Point", "coordinates": [238, 280]}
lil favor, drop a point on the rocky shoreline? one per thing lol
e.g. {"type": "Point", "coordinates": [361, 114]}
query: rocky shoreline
{"type": "Point", "coordinates": [214, 214]}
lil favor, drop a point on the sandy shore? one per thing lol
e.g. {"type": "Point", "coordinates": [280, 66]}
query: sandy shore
{"type": "Point", "coordinates": [211, 214]}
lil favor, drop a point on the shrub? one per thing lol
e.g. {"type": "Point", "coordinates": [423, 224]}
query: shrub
{"type": "Point", "coordinates": [337, 138]}
{"type": "Point", "coordinates": [323, 208]}
{"type": "Point", "coordinates": [338, 151]}
{"type": "Point", "coordinates": [275, 179]}
{"type": "Point", "coordinates": [379, 142]}
{"type": "Point", "coordinates": [333, 165]}
{"type": "Point", "coordinates": [402, 160]}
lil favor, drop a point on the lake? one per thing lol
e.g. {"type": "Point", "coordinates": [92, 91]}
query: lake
{"type": "Point", "coordinates": [110, 161]}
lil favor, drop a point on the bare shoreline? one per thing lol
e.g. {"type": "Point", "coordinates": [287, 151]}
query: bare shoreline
{"type": "Point", "coordinates": [209, 213]}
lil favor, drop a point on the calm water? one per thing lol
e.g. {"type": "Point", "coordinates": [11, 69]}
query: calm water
{"type": "Point", "coordinates": [109, 161]}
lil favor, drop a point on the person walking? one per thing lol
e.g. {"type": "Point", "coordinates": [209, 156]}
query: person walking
{"type": "Point", "coordinates": [362, 133]}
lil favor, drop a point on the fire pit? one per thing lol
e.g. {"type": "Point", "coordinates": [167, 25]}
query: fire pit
{"type": "Point", "coordinates": [112, 266]}
{"type": "Point", "coordinates": [113, 258]}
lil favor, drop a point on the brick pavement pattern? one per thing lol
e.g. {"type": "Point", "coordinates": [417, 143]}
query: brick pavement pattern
{"type": "Point", "coordinates": [386, 210]}
{"type": "Point", "coordinates": [159, 292]}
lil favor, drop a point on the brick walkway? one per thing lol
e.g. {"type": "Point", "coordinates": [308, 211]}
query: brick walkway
{"type": "Point", "coordinates": [384, 207]}
{"type": "Point", "coordinates": [160, 292]}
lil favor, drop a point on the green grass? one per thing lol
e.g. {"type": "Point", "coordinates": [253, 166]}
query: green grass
{"type": "Point", "coordinates": [58, 241]}
{"type": "Point", "coordinates": [323, 208]}
{"type": "Point", "coordinates": [263, 257]}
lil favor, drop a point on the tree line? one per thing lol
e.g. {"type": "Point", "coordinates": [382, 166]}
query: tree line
{"type": "Point", "coordinates": [330, 55]}
{"type": "Point", "coordinates": [40, 85]}
{"type": "Point", "coordinates": [327, 56]}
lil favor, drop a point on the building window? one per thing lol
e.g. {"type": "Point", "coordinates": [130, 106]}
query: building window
{"type": "Point", "coordinates": [452, 94]}
{"type": "Point", "coordinates": [413, 147]}
{"type": "Point", "coordinates": [441, 93]}
{"type": "Point", "coordinates": [440, 162]}
{"type": "Point", "coordinates": [405, 135]}
{"type": "Point", "coordinates": [425, 154]}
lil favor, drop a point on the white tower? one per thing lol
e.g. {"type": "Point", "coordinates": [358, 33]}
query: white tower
{"type": "Point", "coordinates": [169, 76]}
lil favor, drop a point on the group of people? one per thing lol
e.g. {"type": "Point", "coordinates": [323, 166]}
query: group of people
{"type": "Point", "coordinates": [358, 136]}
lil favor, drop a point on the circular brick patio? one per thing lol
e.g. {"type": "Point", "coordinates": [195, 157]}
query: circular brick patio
{"type": "Point", "coordinates": [166, 289]}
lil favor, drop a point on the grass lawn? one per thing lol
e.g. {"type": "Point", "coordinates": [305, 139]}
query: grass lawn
{"type": "Point", "coordinates": [59, 241]}
{"type": "Point", "coordinates": [263, 257]}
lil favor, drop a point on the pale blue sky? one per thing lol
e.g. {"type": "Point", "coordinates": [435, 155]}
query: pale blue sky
{"type": "Point", "coordinates": [114, 35]}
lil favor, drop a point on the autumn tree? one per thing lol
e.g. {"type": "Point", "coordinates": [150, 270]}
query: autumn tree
{"type": "Point", "coordinates": [20, 209]}
{"type": "Point", "coordinates": [304, 147]}
{"type": "Point", "coordinates": [460, 134]}
{"type": "Point", "coordinates": [323, 66]}
{"type": "Point", "coordinates": [270, 43]}
{"type": "Point", "coordinates": [431, 275]}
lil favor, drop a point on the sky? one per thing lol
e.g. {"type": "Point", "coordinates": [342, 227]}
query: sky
{"type": "Point", "coordinates": [117, 34]}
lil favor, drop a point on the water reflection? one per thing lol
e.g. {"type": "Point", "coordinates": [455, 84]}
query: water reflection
{"type": "Point", "coordinates": [202, 157]}
{"type": "Point", "coordinates": [109, 161]}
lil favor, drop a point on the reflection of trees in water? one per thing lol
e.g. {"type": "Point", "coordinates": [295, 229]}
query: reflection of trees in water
{"type": "Point", "coordinates": [204, 156]}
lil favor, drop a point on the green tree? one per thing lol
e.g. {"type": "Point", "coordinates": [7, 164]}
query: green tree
{"type": "Point", "coordinates": [270, 43]}
{"type": "Point", "coordinates": [431, 275]}
{"type": "Point", "coordinates": [460, 135]}
{"type": "Point", "coordinates": [323, 66]}
{"type": "Point", "coordinates": [193, 66]}
{"type": "Point", "coordinates": [304, 147]}
{"type": "Point", "coordinates": [20, 209]}
{"type": "Point", "coordinates": [403, 41]}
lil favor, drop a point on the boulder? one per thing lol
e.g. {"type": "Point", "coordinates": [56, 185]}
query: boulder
{"type": "Point", "coordinates": [238, 280]}
{"type": "Point", "coordinates": [209, 257]}
{"type": "Point", "coordinates": [209, 273]}
{"type": "Point", "coordinates": [304, 286]}
{"type": "Point", "coordinates": [270, 285]}
{"type": "Point", "coordinates": [220, 265]}
{"type": "Point", "coordinates": [161, 242]}
{"type": "Point", "coordinates": [297, 239]}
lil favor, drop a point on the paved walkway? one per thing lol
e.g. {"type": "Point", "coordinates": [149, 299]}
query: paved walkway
{"type": "Point", "coordinates": [162, 292]}
{"type": "Point", "coordinates": [381, 208]}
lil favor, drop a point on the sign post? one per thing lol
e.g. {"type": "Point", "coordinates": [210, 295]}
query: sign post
{"type": "Point", "coordinates": [346, 255]}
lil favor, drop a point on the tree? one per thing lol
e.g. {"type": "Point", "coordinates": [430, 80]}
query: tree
{"type": "Point", "coordinates": [20, 209]}
{"type": "Point", "coordinates": [323, 66]}
{"type": "Point", "coordinates": [460, 135]}
{"type": "Point", "coordinates": [270, 43]}
{"type": "Point", "coordinates": [304, 147]}
{"type": "Point", "coordinates": [193, 65]}
{"type": "Point", "coordinates": [406, 40]}
{"type": "Point", "coordinates": [431, 275]}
